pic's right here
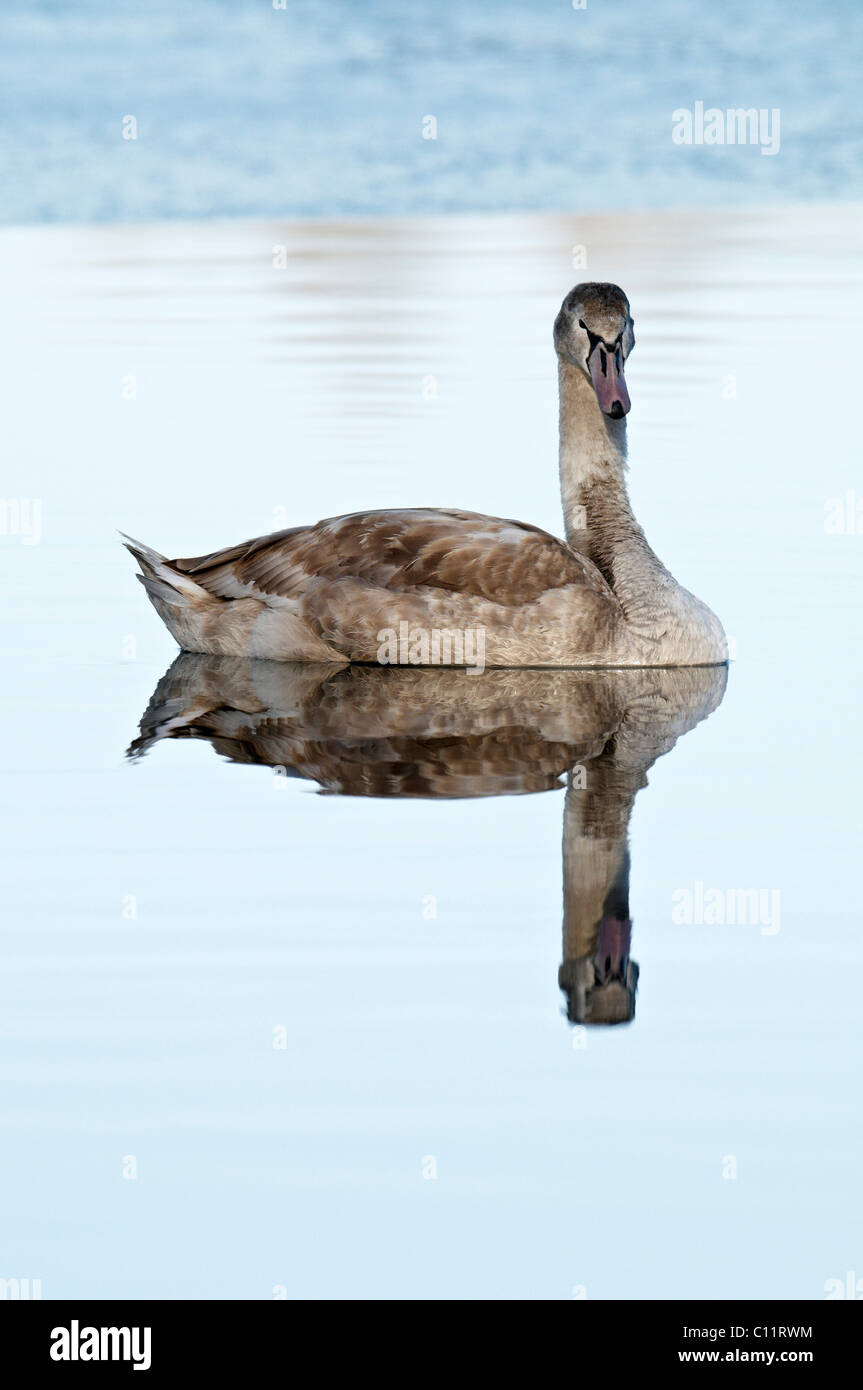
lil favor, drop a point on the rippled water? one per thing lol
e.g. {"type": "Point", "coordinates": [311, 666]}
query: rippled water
{"type": "Point", "coordinates": [320, 109]}
{"type": "Point", "coordinates": [329, 1033]}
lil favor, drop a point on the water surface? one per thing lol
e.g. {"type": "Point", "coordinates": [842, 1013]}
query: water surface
{"type": "Point", "coordinates": [169, 919]}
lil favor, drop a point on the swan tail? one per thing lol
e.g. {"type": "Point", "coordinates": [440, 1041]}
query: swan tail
{"type": "Point", "coordinates": [164, 722]}
{"type": "Point", "coordinates": [186, 609]}
{"type": "Point", "coordinates": [161, 580]}
{"type": "Point", "coordinates": [161, 589]}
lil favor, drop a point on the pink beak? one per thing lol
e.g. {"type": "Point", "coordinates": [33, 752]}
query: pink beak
{"type": "Point", "coordinates": [613, 947]}
{"type": "Point", "coordinates": [606, 373]}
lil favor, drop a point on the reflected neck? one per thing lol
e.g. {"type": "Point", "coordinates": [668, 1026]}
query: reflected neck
{"type": "Point", "coordinates": [596, 853]}
{"type": "Point", "coordinates": [596, 973]}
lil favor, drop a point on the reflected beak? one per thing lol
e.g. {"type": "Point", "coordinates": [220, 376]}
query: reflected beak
{"type": "Point", "coordinates": [612, 949]}
{"type": "Point", "coordinates": [606, 372]}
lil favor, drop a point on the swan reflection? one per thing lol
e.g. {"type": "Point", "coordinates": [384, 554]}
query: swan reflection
{"type": "Point", "coordinates": [404, 732]}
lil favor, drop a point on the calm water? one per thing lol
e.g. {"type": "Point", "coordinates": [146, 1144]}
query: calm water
{"type": "Point", "coordinates": [318, 108]}
{"type": "Point", "coordinates": [430, 1123]}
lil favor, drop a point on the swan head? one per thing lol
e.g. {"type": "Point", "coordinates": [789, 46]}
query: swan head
{"type": "Point", "coordinates": [594, 332]}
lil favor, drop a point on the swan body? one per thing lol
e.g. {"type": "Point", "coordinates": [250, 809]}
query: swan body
{"type": "Point", "coordinates": [330, 592]}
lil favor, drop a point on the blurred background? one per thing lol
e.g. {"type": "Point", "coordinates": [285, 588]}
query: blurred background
{"type": "Point", "coordinates": [317, 109]}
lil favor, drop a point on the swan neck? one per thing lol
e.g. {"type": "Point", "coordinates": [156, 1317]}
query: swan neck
{"type": "Point", "coordinates": [592, 446]}
{"type": "Point", "coordinates": [597, 512]}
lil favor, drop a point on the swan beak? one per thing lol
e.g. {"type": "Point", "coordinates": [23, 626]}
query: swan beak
{"type": "Point", "coordinates": [606, 372]}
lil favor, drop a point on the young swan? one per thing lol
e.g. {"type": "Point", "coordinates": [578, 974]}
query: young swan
{"type": "Point", "coordinates": [593, 336]}
{"type": "Point", "coordinates": [338, 590]}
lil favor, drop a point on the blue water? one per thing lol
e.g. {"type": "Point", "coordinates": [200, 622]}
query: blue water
{"type": "Point", "coordinates": [318, 109]}
{"type": "Point", "coordinates": [162, 919]}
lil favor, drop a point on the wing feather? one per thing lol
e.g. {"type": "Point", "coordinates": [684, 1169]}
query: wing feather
{"type": "Point", "coordinates": [507, 562]}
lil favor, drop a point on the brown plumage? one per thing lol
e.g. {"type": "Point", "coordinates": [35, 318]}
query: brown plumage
{"type": "Point", "coordinates": [334, 590]}
{"type": "Point", "coordinates": [361, 731]}
{"type": "Point", "coordinates": [327, 592]}
{"type": "Point", "coordinates": [506, 562]}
